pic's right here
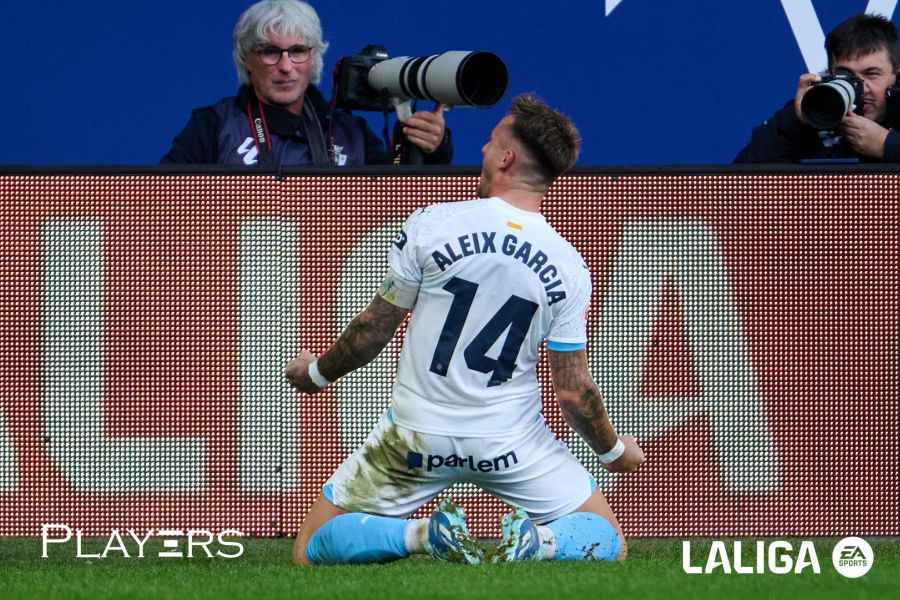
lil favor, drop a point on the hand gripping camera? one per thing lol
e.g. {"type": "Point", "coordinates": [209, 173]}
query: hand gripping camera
{"type": "Point", "coordinates": [372, 81]}
{"type": "Point", "coordinates": [826, 102]}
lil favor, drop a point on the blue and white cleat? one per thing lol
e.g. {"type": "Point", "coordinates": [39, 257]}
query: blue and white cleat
{"type": "Point", "coordinates": [448, 535]}
{"type": "Point", "coordinates": [520, 538]}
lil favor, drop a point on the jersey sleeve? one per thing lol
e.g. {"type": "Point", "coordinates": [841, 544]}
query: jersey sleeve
{"type": "Point", "coordinates": [403, 256]}
{"type": "Point", "coordinates": [568, 330]}
{"type": "Point", "coordinates": [401, 283]}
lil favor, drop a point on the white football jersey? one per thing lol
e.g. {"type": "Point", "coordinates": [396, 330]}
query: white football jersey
{"type": "Point", "coordinates": [494, 281]}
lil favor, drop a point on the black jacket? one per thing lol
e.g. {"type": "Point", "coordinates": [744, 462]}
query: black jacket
{"type": "Point", "coordinates": [785, 138]}
{"type": "Point", "coordinates": [221, 134]}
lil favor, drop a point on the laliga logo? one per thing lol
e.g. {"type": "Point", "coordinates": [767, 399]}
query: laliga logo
{"type": "Point", "coordinates": [116, 542]}
{"type": "Point", "coordinates": [778, 558]}
{"type": "Point", "coordinates": [852, 557]}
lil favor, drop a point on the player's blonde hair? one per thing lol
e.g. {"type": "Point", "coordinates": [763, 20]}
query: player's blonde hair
{"type": "Point", "coordinates": [549, 136]}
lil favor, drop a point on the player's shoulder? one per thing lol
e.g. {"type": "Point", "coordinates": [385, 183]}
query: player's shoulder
{"type": "Point", "coordinates": [573, 256]}
{"type": "Point", "coordinates": [434, 217]}
{"type": "Point", "coordinates": [574, 265]}
{"type": "Point", "coordinates": [441, 210]}
{"type": "Point", "coordinates": [573, 251]}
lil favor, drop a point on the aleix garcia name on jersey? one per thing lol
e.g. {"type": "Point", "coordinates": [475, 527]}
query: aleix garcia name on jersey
{"type": "Point", "coordinates": [484, 242]}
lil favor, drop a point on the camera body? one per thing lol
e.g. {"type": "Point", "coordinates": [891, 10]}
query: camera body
{"type": "Point", "coordinates": [892, 98]}
{"type": "Point", "coordinates": [826, 102]}
{"type": "Point", "coordinates": [351, 81]}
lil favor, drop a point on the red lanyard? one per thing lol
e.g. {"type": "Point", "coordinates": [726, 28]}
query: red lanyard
{"type": "Point", "coordinates": [260, 131]}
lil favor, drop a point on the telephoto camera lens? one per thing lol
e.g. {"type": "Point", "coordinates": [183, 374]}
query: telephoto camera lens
{"type": "Point", "coordinates": [455, 78]}
{"type": "Point", "coordinates": [825, 104]}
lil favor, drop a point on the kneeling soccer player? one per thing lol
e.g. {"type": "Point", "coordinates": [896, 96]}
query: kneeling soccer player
{"type": "Point", "coordinates": [487, 282]}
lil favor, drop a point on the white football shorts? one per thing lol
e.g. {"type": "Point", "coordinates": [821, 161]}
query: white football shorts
{"type": "Point", "coordinates": [398, 470]}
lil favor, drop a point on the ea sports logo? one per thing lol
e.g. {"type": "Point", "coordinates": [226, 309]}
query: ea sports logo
{"type": "Point", "coordinates": [852, 557]}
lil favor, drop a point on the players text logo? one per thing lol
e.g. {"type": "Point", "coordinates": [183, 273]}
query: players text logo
{"type": "Point", "coordinates": [130, 544]}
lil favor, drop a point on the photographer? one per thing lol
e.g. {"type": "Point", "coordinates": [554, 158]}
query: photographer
{"type": "Point", "coordinates": [279, 118]}
{"type": "Point", "coordinates": [865, 47]}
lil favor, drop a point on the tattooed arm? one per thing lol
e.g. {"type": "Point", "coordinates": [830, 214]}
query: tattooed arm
{"type": "Point", "coordinates": [366, 335]}
{"type": "Point", "coordinates": [582, 406]}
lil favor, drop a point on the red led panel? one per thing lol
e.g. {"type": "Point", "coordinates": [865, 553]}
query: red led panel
{"type": "Point", "coordinates": [744, 327]}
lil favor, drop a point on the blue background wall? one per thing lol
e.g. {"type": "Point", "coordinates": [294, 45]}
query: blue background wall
{"type": "Point", "coordinates": [97, 83]}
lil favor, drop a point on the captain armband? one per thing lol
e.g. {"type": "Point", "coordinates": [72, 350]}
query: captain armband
{"type": "Point", "coordinates": [398, 292]}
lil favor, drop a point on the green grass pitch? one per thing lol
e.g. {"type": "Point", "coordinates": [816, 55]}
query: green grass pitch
{"type": "Point", "coordinates": [264, 571]}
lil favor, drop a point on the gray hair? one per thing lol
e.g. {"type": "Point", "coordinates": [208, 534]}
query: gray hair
{"type": "Point", "coordinates": [284, 17]}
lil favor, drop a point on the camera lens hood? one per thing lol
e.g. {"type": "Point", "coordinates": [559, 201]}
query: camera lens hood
{"type": "Point", "coordinates": [825, 104]}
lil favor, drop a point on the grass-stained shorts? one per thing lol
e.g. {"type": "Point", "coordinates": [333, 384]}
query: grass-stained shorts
{"type": "Point", "coordinates": [397, 470]}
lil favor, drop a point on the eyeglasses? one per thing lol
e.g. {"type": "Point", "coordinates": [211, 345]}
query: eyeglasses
{"type": "Point", "coordinates": [270, 55]}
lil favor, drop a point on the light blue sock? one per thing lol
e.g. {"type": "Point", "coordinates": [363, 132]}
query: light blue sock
{"type": "Point", "coordinates": [355, 538]}
{"type": "Point", "coordinates": [584, 536]}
